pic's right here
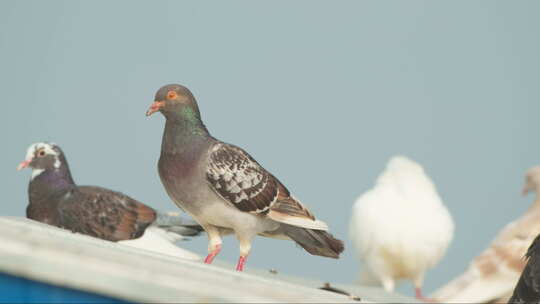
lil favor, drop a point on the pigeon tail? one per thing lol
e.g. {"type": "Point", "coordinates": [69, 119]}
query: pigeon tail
{"type": "Point", "coordinates": [316, 242]}
{"type": "Point", "coordinates": [174, 222]}
{"type": "Point", "coordinates": [290, 211]}
{"type": "Point", "coordinates": [144, 217]}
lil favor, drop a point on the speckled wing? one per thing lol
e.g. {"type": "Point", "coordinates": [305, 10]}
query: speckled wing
{"type": "Point", "coordinates": [104, 214]}
{"type": "Point", "coordinates": [242, 182]}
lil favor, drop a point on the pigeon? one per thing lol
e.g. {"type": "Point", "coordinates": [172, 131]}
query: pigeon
{"type": "Point", "coordinates": [55, 199]}
{"type": "Point", "coordinates": [527, 289]}
{"type": "Point", "coordinates": [492, 275]}
{"type": "Point", "coordinates": [400, 228]}
{"type": "Point", "coordinates": [224, 189]}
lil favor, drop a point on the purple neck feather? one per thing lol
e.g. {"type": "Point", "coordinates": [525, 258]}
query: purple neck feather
{"type": "Point", "coordinates": [52, 180]}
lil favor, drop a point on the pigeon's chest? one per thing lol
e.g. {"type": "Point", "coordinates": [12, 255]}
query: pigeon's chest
{"type": "Point", "coordinates": [184, 178]}
{"type": "Point", "coordinates": [44, 214]}
{"type": "Point", "coordinates": [43, 206]}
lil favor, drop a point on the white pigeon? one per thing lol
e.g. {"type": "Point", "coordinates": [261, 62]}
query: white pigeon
{"type": "Point", "coordinates": [400, 228]}
{"type": "Point", "coordinates": [492, 276]}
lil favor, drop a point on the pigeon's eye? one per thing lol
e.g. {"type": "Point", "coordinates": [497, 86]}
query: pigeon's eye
{"type": "Point", "coordinates": [171, 95]}
{"type": "Point", "coordinates": [41, 153]}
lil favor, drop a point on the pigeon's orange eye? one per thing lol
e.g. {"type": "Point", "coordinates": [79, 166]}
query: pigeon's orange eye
{"type": "Point", "coordinates": [41, 153]}
{"type": "Point", "coordinates": [171, 95]}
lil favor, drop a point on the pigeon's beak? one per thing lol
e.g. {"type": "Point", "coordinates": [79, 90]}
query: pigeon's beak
{"type": "Point", "coordinates": [156, 106]}
{"type": "Point", "coordinates": [23, 165]}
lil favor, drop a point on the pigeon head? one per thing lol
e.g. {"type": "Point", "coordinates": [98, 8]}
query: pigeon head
{"type": "Point", "coordinates": [532, 180]}
{"type": "Point", "coordinates": [176, 102]}
{"type": "Point", "coordinates": [41, 157]}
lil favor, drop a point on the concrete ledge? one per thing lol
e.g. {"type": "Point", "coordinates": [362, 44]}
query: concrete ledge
{"type": "Point", "coordinates": [48, 254]}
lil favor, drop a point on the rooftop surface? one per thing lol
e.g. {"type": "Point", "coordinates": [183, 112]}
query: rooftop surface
{"type": "Point", "coordinates": [43, 253]}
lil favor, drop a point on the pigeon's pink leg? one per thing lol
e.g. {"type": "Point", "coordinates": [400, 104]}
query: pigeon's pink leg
{"type": "Point", "coordinates": [241, 263]}
{"type": "Point", "coordinates": [210, 257]}
{"type": "Point", "coordinates": [419, 296]}
{"type": "Point", "coordinates": [214, 243]}
{"type": "Point", "coordinates": [245, 248]}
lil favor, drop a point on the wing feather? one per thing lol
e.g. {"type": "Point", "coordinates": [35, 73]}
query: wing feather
{"type": "Point", "coordinates": [104, 214]}
{"type": "Point", "coordinates": [240, 180]}
{"type": "Point", "coordinates": [245, 184]}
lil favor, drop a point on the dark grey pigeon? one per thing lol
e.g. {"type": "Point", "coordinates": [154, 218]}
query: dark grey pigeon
{"type": "Point", "coordinates": [224, 189]}
{"type": "Point", "coordinates": [55, 199]}
{"type": "Point", "coordinates": [527, 289]}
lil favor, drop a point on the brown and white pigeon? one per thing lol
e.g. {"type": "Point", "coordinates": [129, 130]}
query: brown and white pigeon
{"type": "Point", "coordinates": [224, 189]}
{"type": "Point", "coordinates": [492, 275]}
{"type": "Point", "coordinates": [55, 199]}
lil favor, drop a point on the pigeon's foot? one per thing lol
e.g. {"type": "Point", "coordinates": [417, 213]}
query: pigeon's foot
{"type": "Point", "coordinates": [210, 258]}
{"type": "Point", "coordinates": [419, 296]}
{"type": "Point", "coordinates": [241, 263]}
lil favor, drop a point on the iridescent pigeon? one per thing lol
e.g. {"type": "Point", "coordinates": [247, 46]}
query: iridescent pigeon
{"type": "Point", "coordinates": [224, 189]}
{"type": "Point", "coordinates": [55, 199]}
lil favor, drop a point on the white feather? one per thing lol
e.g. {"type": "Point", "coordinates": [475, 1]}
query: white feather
{"type": "Point", "coordinates": [159, 240]}
{"type": "Point", "coordinates": [298, 221]}
{"type": "Point", "coordinates": [35, 173]}
{"type": "Point", "coordinates": [400, 228]}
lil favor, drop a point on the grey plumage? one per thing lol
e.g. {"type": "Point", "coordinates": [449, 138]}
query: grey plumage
{"type": "Point", "coordinates": [316, 242]}
{"type": "Point", "coordinates": [225, 189]}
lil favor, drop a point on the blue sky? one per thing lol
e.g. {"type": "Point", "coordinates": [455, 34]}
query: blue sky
{"type": "Point", "coordinates": [321, 93]}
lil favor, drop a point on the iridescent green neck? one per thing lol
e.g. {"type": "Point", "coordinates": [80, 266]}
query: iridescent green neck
{"type": "Point", "coordinates": [192, 121]}
{"type": "Point", "coordinates": [184, 128]}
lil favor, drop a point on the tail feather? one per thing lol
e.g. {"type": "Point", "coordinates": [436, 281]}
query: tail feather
{"type": "Point", "coordinates": [174, 222]}
{"type": "Point", "coordinates": [290, 211]}
{"type": "Point", "coordinates": [316, 242]}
